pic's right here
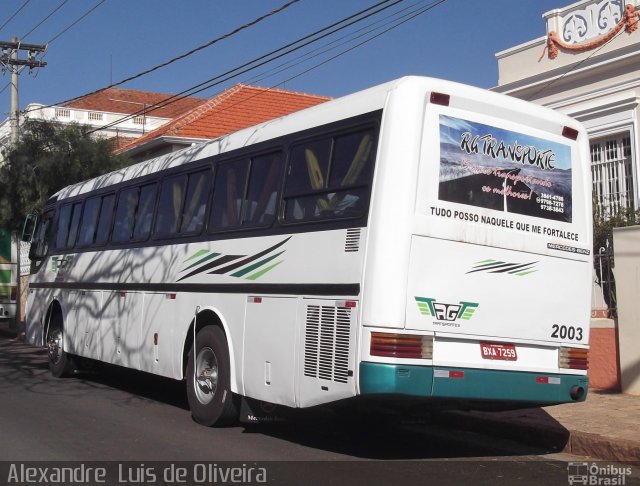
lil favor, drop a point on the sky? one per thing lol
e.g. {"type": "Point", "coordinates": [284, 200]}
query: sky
{"type": "Point", "coordinates": [455, 40]}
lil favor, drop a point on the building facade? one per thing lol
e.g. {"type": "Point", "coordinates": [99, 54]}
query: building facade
{"type": "Point", "coordinates": [119, 114]}
{"type": "Point", "coordinates": [587, 66]}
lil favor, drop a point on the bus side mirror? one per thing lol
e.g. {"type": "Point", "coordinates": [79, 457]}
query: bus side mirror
{"type": "Point", "coordinates": [29, 227]}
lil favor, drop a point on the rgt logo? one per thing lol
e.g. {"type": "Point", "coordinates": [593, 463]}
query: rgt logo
{"type": "Point", "coordinates": [446, 312]}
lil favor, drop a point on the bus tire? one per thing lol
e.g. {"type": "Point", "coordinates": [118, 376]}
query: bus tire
{"type": "Point", "coordinates": [61, 363]}
{"type": "Point", "coordinates": [209, 387]}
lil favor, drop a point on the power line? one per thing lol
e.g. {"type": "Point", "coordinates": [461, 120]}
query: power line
{"type": "Point", "coordinates": [261, 60]}
{"type": "Point", "coordinates": [76, 21]}
{"type": "Point", "coordinates": [396, 23]}
{"type": "Point", "coordinates": [209, 44]}
{"type": "Point", "coordinates": [573, 68]}
{"type": "Point", "coordinates": [46, 18]}
{"type": "Point", "coordinates": [14, 14]}
{"type": "Point", "coordinates": [182, 56]}
{"type": "Point", "coordinates": [336, 43]}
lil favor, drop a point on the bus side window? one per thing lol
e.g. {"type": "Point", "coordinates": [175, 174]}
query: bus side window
{"type": "Point", "coordinates": [330, 178]}
{"type": "Point", "coordinates": [228, 194]}
{"type": "Point", "coordinates": [125, 215]}
{"type": "Point", "coordinates": [40, 244]}
{"type": "Point", "coordinates": [170, 206]}
{"type": "Point", "coordinates": [64, 218]}
{"type": "Point", "coordinates": [68, 223]}
{"type": "Point", "coordinates": [196, 202]}
{"type": "Point", "coordinates": [89, 221]}
{"type": "Point", "coordinates": [75, 224]}
{"type": "Point", "coordinates": [262, 193]}
{"type": "Point", "coordinates": [144, 213]}
{"type": "Point", "coordinates": [104, 219]}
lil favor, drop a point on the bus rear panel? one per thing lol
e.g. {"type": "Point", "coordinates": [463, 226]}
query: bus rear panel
{"type": "Point", "coordinates": [477, 289]}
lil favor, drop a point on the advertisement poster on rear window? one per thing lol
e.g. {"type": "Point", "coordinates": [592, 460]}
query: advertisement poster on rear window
{"type": "Point", "coordinates": [498, 169]}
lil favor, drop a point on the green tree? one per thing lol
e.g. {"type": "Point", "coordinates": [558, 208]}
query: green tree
{"type": "Point", "coordinates": [604, 222]}
{"type": "Point", "coordinates": [49, 156]}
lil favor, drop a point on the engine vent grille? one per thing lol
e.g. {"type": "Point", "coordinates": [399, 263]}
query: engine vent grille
{"type": "Point", "coordinates": [326, 343]}
{"type": "Point", "coordinates": [352, 242]}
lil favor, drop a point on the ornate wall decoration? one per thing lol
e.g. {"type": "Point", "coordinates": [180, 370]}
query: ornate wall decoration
{"type": "Point", "coordinates": [593, 26]}
{"type": "Point", "coordinates": [592, 21]}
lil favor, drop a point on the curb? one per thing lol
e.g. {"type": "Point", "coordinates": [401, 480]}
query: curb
{"type": "Point", "coordinates": [602, 447]}
{"type": "Point", "coordinates": [549, 435]}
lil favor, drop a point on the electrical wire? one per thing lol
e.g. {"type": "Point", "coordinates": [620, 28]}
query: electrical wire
{"type": "Point", "coordinates": [76, 21]}
{"type": "Point", "coordinates": [240, 67]}
{"type": "Point", "coordinates": [336, 43]}
{"type": "Point", "coordinates": [261, 60]}
{"type": "Point", "coordinates": [395, 24]}
{"type": "Point", "coordinates": [14, 14]}
{"type": "Point", "coordinates": [182, 56]}
{"type": "Point", "coordinates": [45, 19]}
{"type": "Point", "coordinates": [573, 68]}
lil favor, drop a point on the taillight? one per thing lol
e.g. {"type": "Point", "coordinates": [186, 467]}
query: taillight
{"type": "Point", "coordinates": [401, 345]}
{"type": "Point", "coordinates": [440, 98]}
{"type": "Point", "coordinates": [573, 358]}
{"type": "Point", "coordinates": [571, 133]}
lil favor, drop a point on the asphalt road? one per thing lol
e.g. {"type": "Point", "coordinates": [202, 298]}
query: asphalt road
{"type": "Point", "coordinates": [119, 415]}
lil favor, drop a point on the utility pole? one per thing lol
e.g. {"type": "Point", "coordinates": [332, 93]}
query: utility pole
{"type": "Point", "coordinates": [11, 61]}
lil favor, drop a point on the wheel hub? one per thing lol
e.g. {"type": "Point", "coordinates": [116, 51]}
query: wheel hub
{"type": "Point", "coordinates": [54, 346]}
{"type": "Point", "coordinates": [206, 375]}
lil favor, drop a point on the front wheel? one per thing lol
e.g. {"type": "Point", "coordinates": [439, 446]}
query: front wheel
{"type": "Point", "coordinates": [209, 380]}
{"type": "Point", "coordinates": [60, 362]}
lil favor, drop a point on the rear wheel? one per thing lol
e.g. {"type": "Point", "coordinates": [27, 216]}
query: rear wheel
{"type": "Point", "coordinates": [209, 380]}
{"type": "Point", "coordinates": [61, 363]}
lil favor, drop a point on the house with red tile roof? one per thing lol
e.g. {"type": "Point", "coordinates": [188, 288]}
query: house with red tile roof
{"type": "Point", "coordinates": [238, 107]}
{"type": "Point", "coordinates": [122, 114]}
{"type": "Point", "coordinates": [131, 101]}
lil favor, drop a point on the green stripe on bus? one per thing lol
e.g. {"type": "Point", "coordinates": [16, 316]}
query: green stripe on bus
{"type": "Point", "coordinates": [202, 260]}
{"type": "Point", "coordinates": [197, 254]}
{"type": "Point", "coordinates": [259, 274]}
{"type": "Point", "coordinates": [250, 268]}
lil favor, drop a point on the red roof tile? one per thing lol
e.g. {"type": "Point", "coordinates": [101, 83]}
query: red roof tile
{"type": "Point", "coordinates": [238, 107]}
{"type": "Point", "coordinates": [131, 101]}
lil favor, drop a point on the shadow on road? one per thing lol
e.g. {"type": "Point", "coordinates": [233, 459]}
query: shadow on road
{"type": "Point", "coordinates": [360, 435]}
{"type": "Point", "coordinates": [392, 437]}
{"type": "Point", "coordinates": [26, 367]}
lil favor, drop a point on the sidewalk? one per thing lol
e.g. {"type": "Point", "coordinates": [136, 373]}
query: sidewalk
{"type": "Point", "coordinates": [606, 426]}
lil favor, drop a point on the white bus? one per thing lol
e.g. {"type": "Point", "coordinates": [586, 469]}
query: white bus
{"type": "Point", "coordinates": [417, 240]}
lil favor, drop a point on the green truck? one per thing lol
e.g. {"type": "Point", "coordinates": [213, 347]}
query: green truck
{"type": "Point", "coordinates": [8, 276]}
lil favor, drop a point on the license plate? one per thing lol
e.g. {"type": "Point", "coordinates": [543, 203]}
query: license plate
{"type": "Point", "coordinates": [505, 352]}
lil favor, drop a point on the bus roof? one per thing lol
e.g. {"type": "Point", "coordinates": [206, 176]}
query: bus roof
{"type": "Point", "coordinates": [348, 106]}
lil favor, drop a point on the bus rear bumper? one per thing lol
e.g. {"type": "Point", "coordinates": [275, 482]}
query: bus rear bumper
{"type": "Point", "coordinates": [471, 384]}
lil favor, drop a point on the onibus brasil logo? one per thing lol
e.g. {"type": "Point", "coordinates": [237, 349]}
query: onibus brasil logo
{"type": "Point", "coordinates": [446, 312]}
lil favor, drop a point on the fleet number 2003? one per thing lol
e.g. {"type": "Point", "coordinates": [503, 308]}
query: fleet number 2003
{"type": "Point", "coordinates": [564, 332]}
